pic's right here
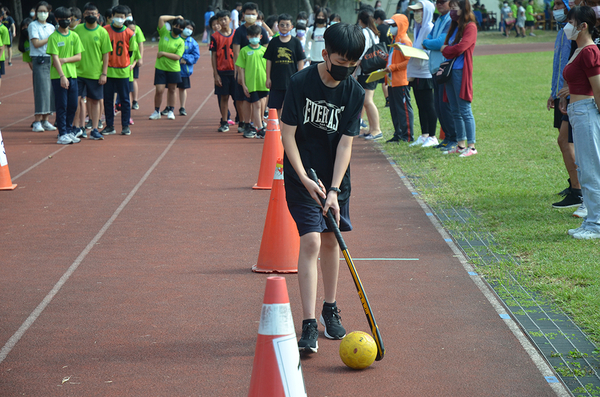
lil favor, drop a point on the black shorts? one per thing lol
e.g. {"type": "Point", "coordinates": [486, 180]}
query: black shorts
{"type": "Point", "coordinates": [257, 96]}
{"type": "Point", "coordinates": [362, 80]}
{"type": "Point", "coordinates": [529, 23]}
{"type": "Point", "coordinates": [185, 83]}
{"type": "Point", "coordinates": [131, 86]}
{"type": "Point", "coordinates": [2, 71]}
{"type": "Point", "coordinates": [227, 85]}
{"type": "Point", "coordinates": [162, 77]}
{"type": "Point", "coordinates": [238, 93]}
{"type": "Point", "coordinates": [309, 218]}
{"type": "Point", "coordinates": [90, 88]}
{"type": "Point", "coordinates": [276, 98]}
{"type": "Point", "coordinates": [136, 72]}
{"type": "Point", "coordinates": [559, 118]}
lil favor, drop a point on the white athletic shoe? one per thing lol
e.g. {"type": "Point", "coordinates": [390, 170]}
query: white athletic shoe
{"type": "Point", "coordinates": [37, 127]}
{"type": "Point", "coordinates": [420, 140]}
{"type": "Point", "coordinates": [586, 235]}
{"type": "Point", "coordinates": [155, 115]}
{"type": "Point", "coordinates": [47, 126]}
{"type": "Point", "coordinates": [64, 140]}
{"type": "Point", "coordinates": [74, 139]}
{"type": "Point", "coordinates": [430, 141]}
{"type": "Point", "coordinates": [171, 115]}
{"type": "Point", "coordinates": [581, 211]}
{"type": "Point", "coordinates": [573, 232]}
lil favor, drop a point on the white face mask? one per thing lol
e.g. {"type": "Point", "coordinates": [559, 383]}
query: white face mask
{"type": "Point", "coordinates": [301, 21]}
{"type": "Point", "coordinates": [129, 18]}
{"type": "Point", "coordinates": [32, 14]}
{"type": "Point", "coordinates": [42, 16]}
{"type": "Point", "coordinates": [250, 18]}
{"type": "Point", "coordinates": [188, 32]}
{"type": "Point", "coordinates": [118, 22]}
{"type": "Point", "coordinates": [559, 15]}
{"type": "Point", "coordinates": [259, 23]}
{"type": "Point", "coordinates": [571, 32]}
{"type": "Point", "coordinates": [418, 17]}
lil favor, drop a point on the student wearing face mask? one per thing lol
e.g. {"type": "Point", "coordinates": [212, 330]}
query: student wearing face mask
{"type": "Point", "coordinates": [239, 41]}
{"type": "Point", "coordinates": [460, 44]}
{"type": "Point", "coordinates": [65, 48]}
{"type": "Point", "coordinates": [167, 72]}
{"type": "Point", "coordinates": [190, 56]}
{"type": "Point", "coordinates": [314, 37]}
{"type": "Point", "coordinates": [119, 61]}
{"type": "Point", "coordinates": [39, 31]}
{"type": "Point", "coordinates": [92, 70]}
{"type": "Point", "coordinates": [141, 39]}
{"type": "Point", "coordinates": [301, 19]}
{"type": "Point", "coordinates": [325, 145]}
{"type": "Point", "coordinates": [582, 74]}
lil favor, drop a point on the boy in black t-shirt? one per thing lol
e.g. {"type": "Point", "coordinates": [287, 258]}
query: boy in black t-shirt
{"type": "Point", "coordinates": [320, 118]}
{"type": "Point", "coordinates": [285, 57]}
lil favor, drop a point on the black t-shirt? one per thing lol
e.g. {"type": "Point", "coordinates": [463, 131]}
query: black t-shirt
{"type": "Point", "coordinates": [284, 59]}
{"type": "Point", "coordinates": [322, 115]}
{"type": "Point", "coordinates": [241, 36]}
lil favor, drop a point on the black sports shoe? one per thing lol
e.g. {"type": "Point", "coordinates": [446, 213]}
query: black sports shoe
{"type": "Point", "coordinates": [261, 133]}
{"type": "Point", "coordinates": [573, 199]}
{"type": "Point", "coordinates": [393, 140]}
{"type": "Point", "coordinates": [165, 111]}
{"type": "Point", "coordinates": [330, 318]}
{"type": "Point", "coordinates": [308, 341]}
{"type": "Point", "coordinates": [135, 105]}
{"type": "Point", "coordinates": [224, 126]}
{"type": "Point", "coordinates": [109, 130]}
{"type": "Point", "coordinates": [242, 127]}
{"type": "Point", "coordinates": [182, 112]}
{"type": "Point", "coordinates": [126, 131]}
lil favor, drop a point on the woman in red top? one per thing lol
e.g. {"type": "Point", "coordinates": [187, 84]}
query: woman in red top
{"type": "Point", "coordinates": [460, 43]}
{"type": "Point", "coordinates": [582, 74]}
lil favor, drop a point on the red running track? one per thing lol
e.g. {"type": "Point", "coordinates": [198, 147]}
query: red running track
{"type": "Point", "coordinates": [154, 236]}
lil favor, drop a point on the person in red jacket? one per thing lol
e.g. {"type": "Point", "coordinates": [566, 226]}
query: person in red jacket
{"type": "Point", "coordinates": [459, 45]}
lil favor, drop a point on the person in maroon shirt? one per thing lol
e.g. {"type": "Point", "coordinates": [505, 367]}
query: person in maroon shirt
{"type": "Point", "coordinates": [582, 75]}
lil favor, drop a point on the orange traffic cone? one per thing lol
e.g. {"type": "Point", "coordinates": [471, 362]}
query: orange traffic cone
{"type": "Point", "coordinates": [5, 181]}
{"type": "Point", "coordinates": [280, 243]}
{"type": "Point", "coordinates": [272, 150]}
{"type": "Point", "coordinates": [276, 371]}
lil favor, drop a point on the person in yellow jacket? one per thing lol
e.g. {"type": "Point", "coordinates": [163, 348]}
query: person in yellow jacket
{"type": "Point", "coordinates": [399, 91]}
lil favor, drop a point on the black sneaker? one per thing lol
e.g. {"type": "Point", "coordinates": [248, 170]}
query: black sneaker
{"type": "Point", "coordinates": [182, 112]}
{"type": "Point", "coordinates": [250, 132]}
{"type": "Point", "coordinates": [387, 102]}
{"type": "Point", "coordinates": [241, 127]}
{"type": "Point", "coordinates": [135, 105]}
{"type": "Point", "coordinates": [393, 140]}
{"type": "Point", "coordinates": [261, 133]}
{"type": "Point", "coordinates": [126, 131]}
{"type": "Point", "coordinates": [330, 318]}
{"type": "Point", "coordinates": [165, 112]}
{"type": "Point", "coordinates": [224, 126]}
{"type": "Point", "coordinates": [573, 199]}
{"type": "Point", "coordinates": [308, 341]}
{"type": "Point", "coordinates": [109, 130]}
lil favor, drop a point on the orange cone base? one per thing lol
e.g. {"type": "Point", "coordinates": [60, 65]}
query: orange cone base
{"type": "Point", "coordinates": [5, 181]}
{"type": "Point", "coordinates": [9, 187]}
{"type": "Point", "coordinates": [256, 187]}
{"type": "Point", "coordinates": [257, 269]}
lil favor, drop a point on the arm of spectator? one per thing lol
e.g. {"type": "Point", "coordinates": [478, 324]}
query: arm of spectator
{"type": "Point", "coordinates": [469, 38]}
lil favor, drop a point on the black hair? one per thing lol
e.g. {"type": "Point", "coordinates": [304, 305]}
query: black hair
{"type": "Point", "coordinates": [90, 7]}
{"type": "Point", "coordinates": [583, 14]}
{"type": "Point", "coordinates": [179, 22]}
{"type": "Point", "coordinates": [300, 26]}
{"type": "Point", "coordinates": [346, 40]}
{"type": "Point", "coordinates": [366, 17]}
{"type": "Point", "coordinates": [238, 4]}
{"type": "Point", "coordinates": [324, 11]}
{"type": "Point", "coordinates": [76, 12]}
{"type": "Point", "coordinates": [379, 14]}
{"type": "Point", "coordinates": [209, 9]}
{"type": "Point", "coordinates": [254, 30]}
{"type": "Point", "coordinates": [41, 4]}
{"type": "Point", "coordinates": [302, 15]}
{"type": "Point", "coordinates": [284, 17]}
{"type": "Point", "coordinates": [261, 16]}
{"type": "Point", "coordinates": [128, 9]}
{"type": "Point", "coordinates": [6, 11]}
{"type": "Point", "coordinates": [101, 20]}
{"type": "Point", "coordinates": [334, 16]}
{"type": "Point", "coordinates": [270, 21]}
{"type": "Point", "coordinates": [249, 6]}
{"type": "Point", "coordinates": [211, 20]}
{"type": "Point", "coordinates": [188, 22]}
{"type": "Point", "coordinates": [119, 10]}
{"type": "Point", "coordinates": [222, 14]}
{"type": "Point", "coordinates": [108, 13]}
{"type": "Point", "coordinates": [24, 36]}
{"type": "Point", "coordinates": [128, 23]}
{"type": "Point", "coordinates": [63, 13]}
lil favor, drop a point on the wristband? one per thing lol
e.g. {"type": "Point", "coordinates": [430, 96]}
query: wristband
{"type": "Point", "coordinates": [334, 189]}
{"type": "Point", "coordinates": [103, 74]}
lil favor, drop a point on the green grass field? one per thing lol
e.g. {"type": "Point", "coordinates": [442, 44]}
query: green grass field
{"type": "Point", "coordinates": [512, 183]}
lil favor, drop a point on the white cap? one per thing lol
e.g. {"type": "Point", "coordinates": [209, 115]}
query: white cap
{"type": "Point", "coordinates": [389, 22]}
{"type": "Point", "coordinates": [415, 7]}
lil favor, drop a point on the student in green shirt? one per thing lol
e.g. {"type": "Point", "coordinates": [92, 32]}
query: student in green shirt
{"type": "Point", "coordinates": [167, 71]}
{"type": "Point", "coordinates": [530, 18]}
{"type": "Point", "coordinates": [4, 44]}
{"type": "Point", "coordinates": [92, 69]}
{"type": "Point", "coordinates": [140, 38]}
{"type": "Point", "coordinates": [65, 49]}
{"type": "Point", "coordinates": [253, 76]}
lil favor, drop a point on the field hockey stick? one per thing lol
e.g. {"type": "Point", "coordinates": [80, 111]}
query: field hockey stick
{"type": "Point", "coordinates": [359, 287]}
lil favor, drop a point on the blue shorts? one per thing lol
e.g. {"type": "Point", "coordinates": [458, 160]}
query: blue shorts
{"type": "Point", "coordinates": [185, 83]}
{"type": "Point", "coordinates": [309, 218]}
{"type": "Point", "coordinates": [227, 84]}
{"type": "Point", "coordinates": [162, 77]}
{"type": "Point", "coordinates": [136, 72]}
{"type": "Point", "coordinates": [90, 88]}
{"type": "Point", "coordinates": [276, 98]}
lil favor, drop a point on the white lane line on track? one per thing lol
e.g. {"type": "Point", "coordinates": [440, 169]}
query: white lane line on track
{"type": "Point", "coordinates": [15, 93]}
{"type": "Point", "coordinates": [51, 154]}
{"type": "Point", "coordinates": [11, 343]}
